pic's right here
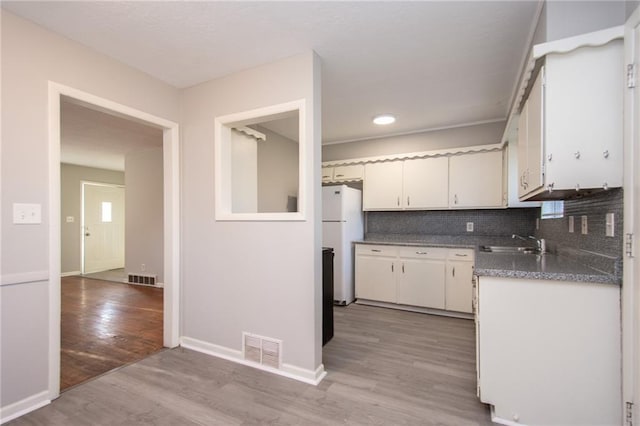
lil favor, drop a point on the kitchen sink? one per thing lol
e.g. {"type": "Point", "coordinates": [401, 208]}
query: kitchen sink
{"type": "Point", "coordinates": [510, 249]}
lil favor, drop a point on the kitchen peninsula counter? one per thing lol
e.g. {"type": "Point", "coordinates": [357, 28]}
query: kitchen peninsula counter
{"type": "Point", "coordinates": [523, 266]}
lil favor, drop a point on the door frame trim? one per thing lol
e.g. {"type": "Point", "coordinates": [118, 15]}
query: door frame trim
{"type": "Point", "coordinates": [171, 167]}
{"type": "Point", "coordinates": [630, 296]}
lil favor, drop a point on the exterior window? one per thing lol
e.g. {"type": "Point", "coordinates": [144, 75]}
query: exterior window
{"type": "Point", "coordinates": [106, 211]}
{"type": "Point", "coordinates": [552, 209]}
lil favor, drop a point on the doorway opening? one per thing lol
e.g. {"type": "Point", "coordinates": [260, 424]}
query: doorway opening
{"type": "Point", "coordinates": [105, 223]}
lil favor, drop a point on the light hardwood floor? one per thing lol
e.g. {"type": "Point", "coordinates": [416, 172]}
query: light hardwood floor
{"type": "Point", "coordinates": [385, 367]}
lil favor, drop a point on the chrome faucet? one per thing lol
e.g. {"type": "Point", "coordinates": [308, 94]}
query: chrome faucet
{"type": "Point", "coordinates": [540, 242]}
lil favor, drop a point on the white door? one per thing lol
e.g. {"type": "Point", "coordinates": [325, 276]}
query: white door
{"type": "Point", "coordinates": [103, 227]}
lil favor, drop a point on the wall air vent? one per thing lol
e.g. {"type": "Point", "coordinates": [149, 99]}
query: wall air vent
{"type": "Point", "coordinates": [262, 350]}
{"type": "Point", "coordinates": [142, 279]}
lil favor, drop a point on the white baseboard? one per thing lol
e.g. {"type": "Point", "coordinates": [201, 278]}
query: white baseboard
{"type": "Point", "coordinates": [70, 274]}
{"type": "Point", "coordinates": [501, 421]}
{"type": "Point", "coordinates": [418, 309]}
{"type": "Point", "coordinates": [291, 371]}
{"type": "Point", "coordinates": [22, 407]}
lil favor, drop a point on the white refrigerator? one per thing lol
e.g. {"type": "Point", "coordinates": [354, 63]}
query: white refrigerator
{"type": "Point", "coordinates": [342, 223]}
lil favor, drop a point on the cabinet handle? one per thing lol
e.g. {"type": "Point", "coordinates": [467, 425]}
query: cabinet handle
{"type": "Point", "coordinates": [376, 250]}
{"type": "Point", "coordinates": [403, 268]}
{"type": "Point", "coordinates": [461, 255]}
{"type": "Point", "coordinates": [392, 267]}
{"type": "Point", "coordinates": [454, 271]}
{"type": "Point", "coordinates": [422, 252]}
{"type": "Point", "coordinates": [408, 201]}
{"type": "Point", "coordinates": [398, 201]}
{"type": "Point", "coordinates": [339, 175]}
{"type": "Point", "coordinates": [455, 199]}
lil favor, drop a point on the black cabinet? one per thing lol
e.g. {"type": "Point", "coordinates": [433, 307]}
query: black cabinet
{"type": "Point", "coordinates": [327, 295]}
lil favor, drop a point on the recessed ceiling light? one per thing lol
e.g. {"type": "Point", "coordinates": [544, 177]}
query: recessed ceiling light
{"type": "Point", "coordinates": [383, 119]}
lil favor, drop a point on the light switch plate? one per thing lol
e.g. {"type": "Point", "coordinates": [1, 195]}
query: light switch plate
{"type": "Point", "coordinates": [571, 224]}
{"type": "Point", "coordinates": [27, 214]}
{"type": "Point", "coordinates": [584, 228]}
{"type": "Point", "coordinates": [70, 219]}
{"type": "Point", "coordinates": [469, 226]}
{"type": "Point", "coordinates": [609, 225]}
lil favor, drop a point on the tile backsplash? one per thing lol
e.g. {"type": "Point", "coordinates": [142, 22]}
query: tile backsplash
{"type": "Point", "coordinates": [499, 223]}
{"type": "Point", "coordinates": [594, 248]}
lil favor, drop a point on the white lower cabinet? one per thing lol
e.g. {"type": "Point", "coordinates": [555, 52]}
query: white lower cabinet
{"type": "Point", "coordinates": [428, 277]}
{"type": "Point", "coordinates": [376, 272]}
{"type": "Point", "coordinates": [549, 351]}
{"type": "Point", "coordinates": [459, 281]}
{"type": "Point", "coordinates": [421, 277]}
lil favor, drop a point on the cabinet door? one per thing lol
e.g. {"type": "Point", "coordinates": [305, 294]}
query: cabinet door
{"type": "Point", "coordinates": [421, 283]}
{"type": "Point", "coordinates": [382, 188]}
{"type": "Point", "coordinates": [476, 180]}
{"type": "Point", "coordinates": [459, 286]}
{"type": "Point", "coordinates": [534, 178]}
{"type": "Point", "coordinates": [327, 174]}
{"type": "Point", "coordinates": [425, 183]}
{"type": "Point", "coordinates": [375, 278]}
{"type": "Point", "coordinates": [347, 173]}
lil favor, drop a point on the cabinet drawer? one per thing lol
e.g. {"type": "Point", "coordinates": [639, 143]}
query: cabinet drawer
{"type": "Point", "coordinates": [376, 250]}
{"type": "Point", "coordinates": [461, 254]}
{"type": "Point", "coordinates": [423, 252]}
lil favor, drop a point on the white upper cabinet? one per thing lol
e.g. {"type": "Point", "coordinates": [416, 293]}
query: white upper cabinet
{"type": "Point", "coordinates": [475, 180]}
{"type": "Point", "coordinates": [349, 173]}
{"type": "Point", "coordinates": [426, 183]}
{"type": "Point", "coordinates": [571, 124]}
{"type": "Point", "coordinates": [382, 187]}
{"type": "Point", "coordinates": [468, 180]}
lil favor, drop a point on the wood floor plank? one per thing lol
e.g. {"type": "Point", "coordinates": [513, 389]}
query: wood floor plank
{"type": "Point", "coordinates": [384, 367]}
{"type": "Point", "coordinates": [105, 325]}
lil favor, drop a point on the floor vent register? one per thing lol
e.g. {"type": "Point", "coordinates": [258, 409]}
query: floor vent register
{"type": "Point", "coordinates": [142, 279]}
{"type": "Point", "coordinates": [262, 350]}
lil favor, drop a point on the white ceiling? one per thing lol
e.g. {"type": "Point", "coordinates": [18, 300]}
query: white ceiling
{"type": "Point", "coordinates": [95, 139]}
{"type": "Point", "coordinates": [433, 64]}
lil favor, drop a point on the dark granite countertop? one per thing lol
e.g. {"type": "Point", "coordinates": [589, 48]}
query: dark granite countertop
{"type": "Point", "coordinates": [525, 266]}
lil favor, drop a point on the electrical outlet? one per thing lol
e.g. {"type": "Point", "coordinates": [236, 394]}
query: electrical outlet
{"type": "Point", "coordinates": [609, 222]}
{"type": "Point", "coordinates": [143, 267]}
{"type": "Point", "coordinates": [584, 228]}
{"type": "Point", "coordinates": [469, 226]}
{"type": "Point", "coordinates": [571, 224]}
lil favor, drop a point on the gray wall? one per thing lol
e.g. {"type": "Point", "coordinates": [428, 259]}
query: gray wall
{"type": "Point", "coordinates": [144, 226]}
{"type": "Point", "coordinates": [277, 171]}
{"type": "Point", "coordinates": [31, 58]}
{"type": "Point", "coordinates": [259, 277]}
{"type": "Point", "coordinates": [482, 134]}
{"type": "Point", "coordinates": [71, 177]}
{"type": "Point", "coordinates": [569, 18]}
